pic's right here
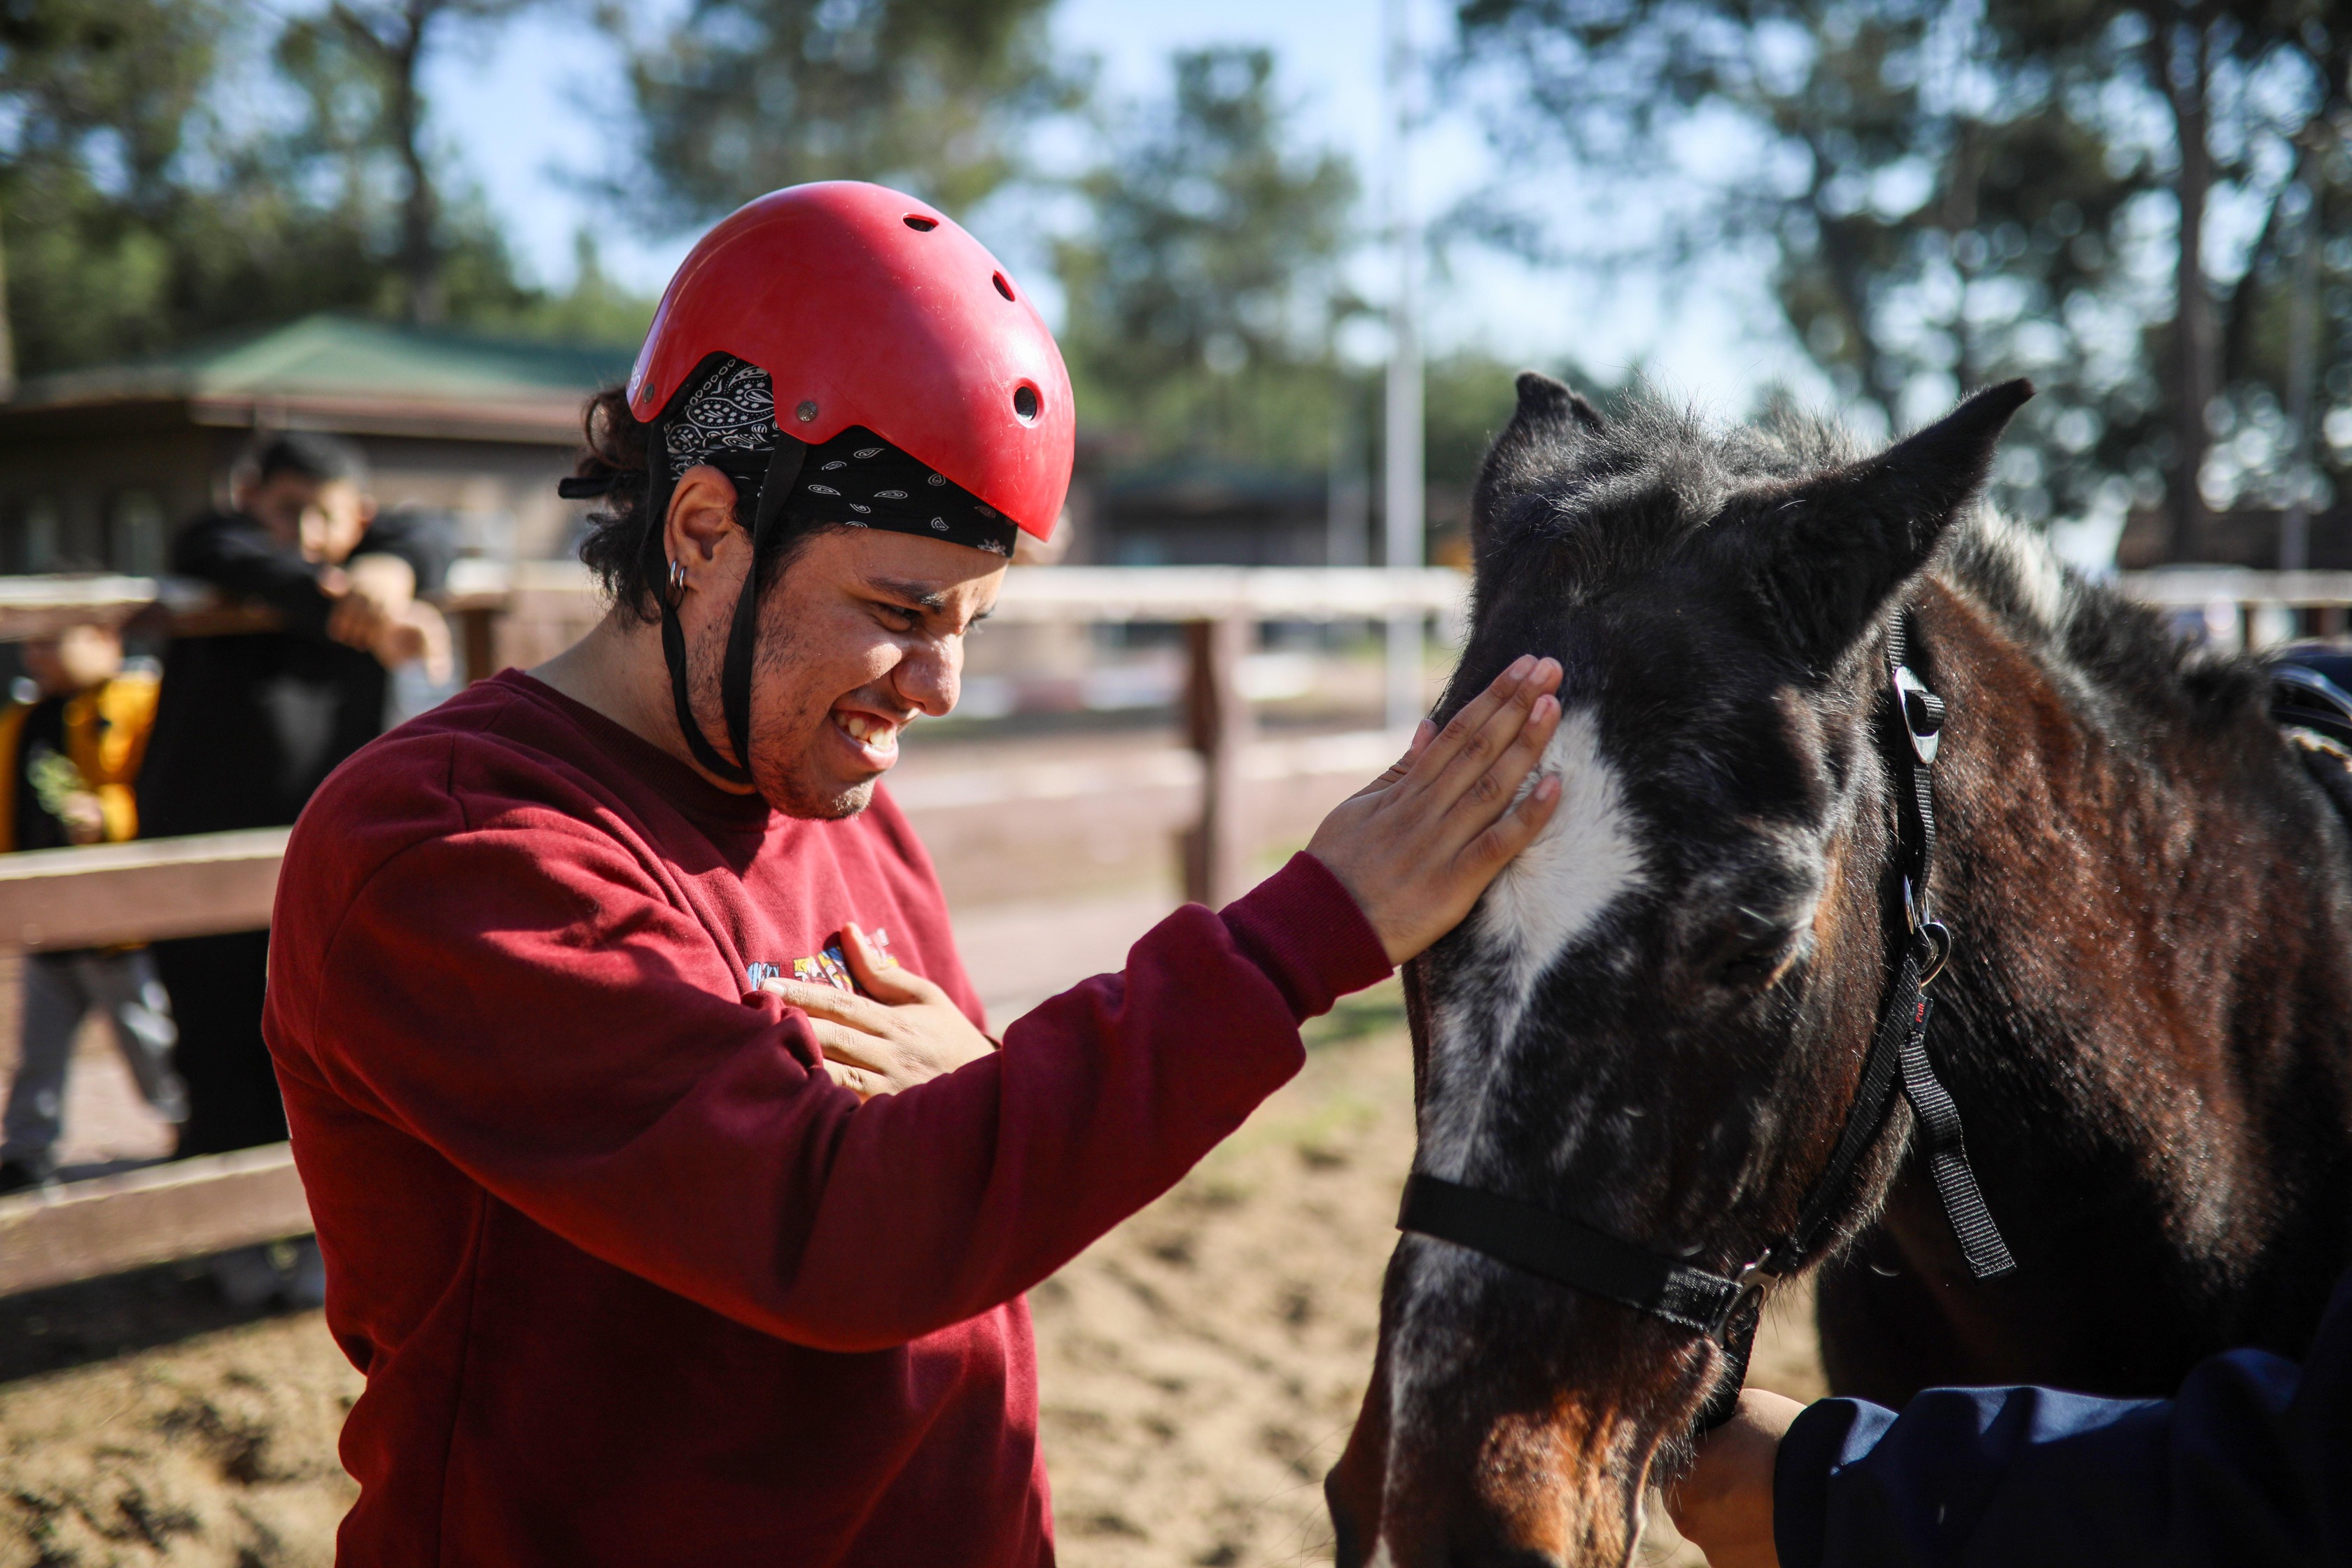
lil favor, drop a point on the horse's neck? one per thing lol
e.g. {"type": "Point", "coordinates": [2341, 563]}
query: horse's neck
{"type": "Point", "coordinates": [2145, 834]}
{"type": "Point", "coordinates": [2153, 916]}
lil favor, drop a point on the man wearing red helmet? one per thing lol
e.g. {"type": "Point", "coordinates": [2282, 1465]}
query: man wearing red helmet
{"type": "Point", "coordinates": [674, 1214]}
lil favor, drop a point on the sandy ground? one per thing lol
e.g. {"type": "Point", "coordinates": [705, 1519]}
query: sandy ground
{"type": "Point", "coordinates": [1200, 1369]}
{"type": "Point", "coordinates": [216, 1450]}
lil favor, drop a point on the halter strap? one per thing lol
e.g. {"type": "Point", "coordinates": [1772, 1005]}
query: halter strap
{"type": "Point", "coordinates": [1553, 1247]}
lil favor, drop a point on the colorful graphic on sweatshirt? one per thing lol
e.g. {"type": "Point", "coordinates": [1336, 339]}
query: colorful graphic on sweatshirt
{"type": "Point", "coordinates": [829, 966]}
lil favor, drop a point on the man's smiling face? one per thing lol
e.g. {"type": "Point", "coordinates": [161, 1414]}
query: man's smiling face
{"type": "Point", "coordinates": [864, 631]}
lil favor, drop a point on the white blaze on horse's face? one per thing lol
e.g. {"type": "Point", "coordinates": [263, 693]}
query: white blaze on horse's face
{"type": "Point", "coordinates": [1587, 858]}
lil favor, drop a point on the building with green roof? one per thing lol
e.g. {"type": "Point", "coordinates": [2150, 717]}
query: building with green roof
{"type": "Point", "coordinates": [98, 465]}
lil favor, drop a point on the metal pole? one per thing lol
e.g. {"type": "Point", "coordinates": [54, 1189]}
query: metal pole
{"type": "Point", "coordinates": [2301, 353]}
{"type": "Point", "coordinates": [1347, 508]}
{"type": "Point", "coordinates": [1403, 487]}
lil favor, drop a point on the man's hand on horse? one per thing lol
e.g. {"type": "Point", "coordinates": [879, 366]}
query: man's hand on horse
{"type": "Point", "coordinates": [1419, 843]}
{"type": "Point", "coordinates": [903, 1031]}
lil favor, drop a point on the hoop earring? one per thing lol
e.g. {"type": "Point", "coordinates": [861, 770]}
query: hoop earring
{"type": "Point", "coordinates": [676, 580]}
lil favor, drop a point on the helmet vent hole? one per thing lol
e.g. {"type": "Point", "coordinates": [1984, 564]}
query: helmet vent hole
{"type": "Point", "coordinates": [1002, 286]}
{"type": "Point", "coordinates": [1024, 403]}
{"type": "Point", "coordinates": [921, 224]}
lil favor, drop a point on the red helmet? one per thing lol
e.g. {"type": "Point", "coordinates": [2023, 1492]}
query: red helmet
{"type": "Point", "coordinates": [867, 306]}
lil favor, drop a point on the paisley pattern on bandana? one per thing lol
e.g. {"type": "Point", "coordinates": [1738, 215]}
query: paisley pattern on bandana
{"type": "Point", "coordinates": [728, 421]}
{"type": "Point", "coordinates": [870, 484]}
{"type": "Point", "coordinates": [734, 410]}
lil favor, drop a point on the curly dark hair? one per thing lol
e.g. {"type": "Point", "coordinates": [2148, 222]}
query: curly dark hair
{"type": "Point", "coordinates": [613, 547]}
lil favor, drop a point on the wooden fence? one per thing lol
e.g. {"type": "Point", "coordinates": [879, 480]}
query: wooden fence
{"type": "Point", "coordinates": [54, 899]}
{"type": "Point", "coordinates": [2241, 608]}
{"type": "Point", "coordinates": [64, 899]}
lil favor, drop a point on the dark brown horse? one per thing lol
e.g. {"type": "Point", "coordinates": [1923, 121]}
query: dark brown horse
{"type": "Point", "coordinates": [1655, 1022]}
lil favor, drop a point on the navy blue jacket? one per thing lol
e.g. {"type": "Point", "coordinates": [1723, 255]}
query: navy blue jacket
{"type": "Point", "coordinates": [2251, 1462]}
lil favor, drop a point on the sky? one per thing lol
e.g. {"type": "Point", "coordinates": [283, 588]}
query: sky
{"type": "Point", "coordinates": [523, 107]}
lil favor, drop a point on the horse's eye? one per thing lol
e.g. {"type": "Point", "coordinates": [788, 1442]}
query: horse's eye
{"type": "Point", "coordinates": [1759, 963]}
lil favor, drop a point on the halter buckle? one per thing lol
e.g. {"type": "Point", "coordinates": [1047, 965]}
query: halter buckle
{"type": "Point", "coordinates": [1922, 711]}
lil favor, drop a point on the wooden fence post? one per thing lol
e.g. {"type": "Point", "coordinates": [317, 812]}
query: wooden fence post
{"type": "Point", "coordinates": [477, 642]}
{"type": "Point", "coordinates": [1217, 725]}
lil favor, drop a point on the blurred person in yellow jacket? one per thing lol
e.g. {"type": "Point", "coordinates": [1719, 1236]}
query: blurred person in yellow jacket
{"type": "Point", "coordinates": [70, 744]}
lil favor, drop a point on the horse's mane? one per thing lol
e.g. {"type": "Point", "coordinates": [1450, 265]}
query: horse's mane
{"type": "Point", "coordinates": [2115, 659]}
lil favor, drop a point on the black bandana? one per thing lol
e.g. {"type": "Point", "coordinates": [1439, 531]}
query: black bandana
{"type": "Point", "coordinates": [732, 413]}
{"type": "Point", "coordinates": [857, 478]}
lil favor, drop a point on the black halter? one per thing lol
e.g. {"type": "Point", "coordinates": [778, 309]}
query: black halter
{"type": "Point", "coordinates": [1555, 1248]}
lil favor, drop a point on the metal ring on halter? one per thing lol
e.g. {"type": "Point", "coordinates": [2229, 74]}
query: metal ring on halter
{"type": "Point", "coordinates": [676, 580]}
{"type": "Point", "coordinates": [1937, 936]}
{"type": "Point", "coordinates": [1751, 1279]}
{"type": "Point", "coordinates": [1934, 932]}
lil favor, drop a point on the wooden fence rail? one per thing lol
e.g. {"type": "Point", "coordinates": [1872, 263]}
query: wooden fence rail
{"type": "Point", "coordinates": [63, 899]}
{"type": "Point", "coordinates": [184, 1208]}
{"type": "Point", "coordinates": [33, 607]}
{"type": "Point", "coordinates": [2185, 586]}
{"type": "Point", "coordinates": [479, 592]}
{"type": "Point", "coordinates": [53, 900]}
{"type": "Point", "coordinates": [106, 894]}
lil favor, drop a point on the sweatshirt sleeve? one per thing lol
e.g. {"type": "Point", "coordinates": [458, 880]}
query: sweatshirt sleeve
{"type": "Point", "coordinates": [237, 556]}
{"type": "Point", "coordinates": [530, 1005]}
{"type": "Point", "coordinates": [2251, 1462]}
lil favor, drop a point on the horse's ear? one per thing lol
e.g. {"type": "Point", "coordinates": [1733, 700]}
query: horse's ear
{"type": "Point", "coordinates": [1543, 401]}
{"type": "Point", "coordinates": [1830, 551]}
{"type": "Point", "coordinates": [1550, 417]}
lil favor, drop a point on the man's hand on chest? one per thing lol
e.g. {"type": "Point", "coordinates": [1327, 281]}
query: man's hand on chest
{"type": "Point", "coordinates": [903, 1031]}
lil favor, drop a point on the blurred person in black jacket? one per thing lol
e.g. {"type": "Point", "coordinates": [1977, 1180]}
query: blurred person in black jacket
{"type": "Point", "coordinates": [248, 725]}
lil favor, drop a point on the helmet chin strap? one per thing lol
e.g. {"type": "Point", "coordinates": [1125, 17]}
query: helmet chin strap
{"type": "Point", "coordinates": [735, 678]}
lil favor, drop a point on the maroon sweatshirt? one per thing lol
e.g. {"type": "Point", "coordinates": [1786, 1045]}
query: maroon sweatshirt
{"type": "Point", "coordinates": [631, 1281]}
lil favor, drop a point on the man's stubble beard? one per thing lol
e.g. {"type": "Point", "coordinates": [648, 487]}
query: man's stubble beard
{"type": "Point", "coordinates": [847, 802]}
{"type": "Point", "coordinates": [772, 733]}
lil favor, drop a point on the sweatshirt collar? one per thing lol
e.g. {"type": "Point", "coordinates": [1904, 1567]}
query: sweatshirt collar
{"type": "Point", "coordinates": [671, 779]}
